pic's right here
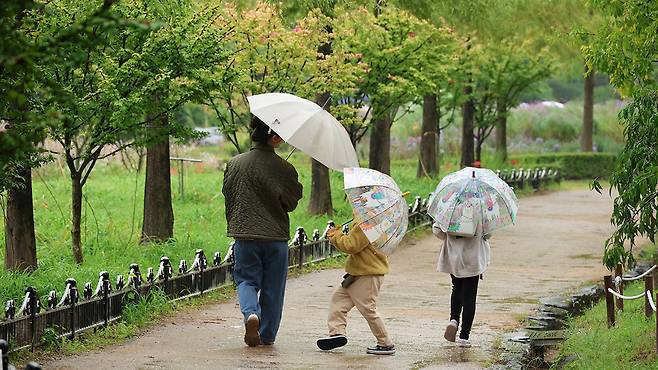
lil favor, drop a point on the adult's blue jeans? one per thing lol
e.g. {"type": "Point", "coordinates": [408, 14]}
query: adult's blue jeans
{"type": "Point", "coordinates": [260, 272]}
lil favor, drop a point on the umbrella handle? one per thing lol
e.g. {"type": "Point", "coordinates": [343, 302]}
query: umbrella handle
{"type": "Point", "coordinates": [347, 222]}
{"type": "Point", "coordinates": [289, 154]}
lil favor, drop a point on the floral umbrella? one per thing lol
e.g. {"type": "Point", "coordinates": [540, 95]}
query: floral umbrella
{"type": "Point", "coordinates": [472, 198]}
{"type": "Point", "coordinates": [379, 207]}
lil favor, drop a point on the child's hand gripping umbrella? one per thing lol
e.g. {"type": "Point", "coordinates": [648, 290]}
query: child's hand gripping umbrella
{"type": "Point", "coordinates": [379, 207]}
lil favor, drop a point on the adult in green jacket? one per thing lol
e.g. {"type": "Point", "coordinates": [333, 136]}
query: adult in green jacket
{"type": "Point", "coordinates": [260, 189]}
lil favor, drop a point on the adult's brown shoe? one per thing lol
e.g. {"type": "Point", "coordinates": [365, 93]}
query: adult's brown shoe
{"type": "Point", "coordinates": [251, 327]}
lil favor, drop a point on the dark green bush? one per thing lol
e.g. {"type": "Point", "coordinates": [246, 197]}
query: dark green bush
{"type": "Point", "coordinates": [571, 165]}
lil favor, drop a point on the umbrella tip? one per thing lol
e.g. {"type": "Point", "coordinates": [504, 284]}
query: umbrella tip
{"type": "Point", "coordinates": [473, 174]}
{"type": "Point", "coordinates": [405, 193]}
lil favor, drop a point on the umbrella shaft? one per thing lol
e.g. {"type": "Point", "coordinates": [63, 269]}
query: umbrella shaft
{"type": "Point", "coordinates": [293, 150]}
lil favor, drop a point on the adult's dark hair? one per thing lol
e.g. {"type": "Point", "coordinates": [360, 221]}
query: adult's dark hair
{"type": "Point", "coordinates": [260, 132]}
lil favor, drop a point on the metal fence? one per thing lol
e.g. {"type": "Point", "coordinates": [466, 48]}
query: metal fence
{"type": "Point", "coordinates": [76, 312]}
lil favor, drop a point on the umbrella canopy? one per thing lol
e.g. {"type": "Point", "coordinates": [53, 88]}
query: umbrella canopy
{"type": "Point", "coordinates": [306, 126]}
{"type": "Point", "coordinates": [379, 207]}
{"type": "Point", "coordinates": [472, 198]}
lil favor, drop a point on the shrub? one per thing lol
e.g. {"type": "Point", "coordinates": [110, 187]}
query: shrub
{"type": "Point", "coordinates": [571, 165]}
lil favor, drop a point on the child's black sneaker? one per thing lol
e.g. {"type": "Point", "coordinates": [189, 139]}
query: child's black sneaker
{"type": "Point", "coordinates": [334, 341]}
{"type": "Point", "coordinates": [381, 350]}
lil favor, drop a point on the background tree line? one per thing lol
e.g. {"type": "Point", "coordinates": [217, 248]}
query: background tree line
{"type": "Point", "coordinates": [98, 77]}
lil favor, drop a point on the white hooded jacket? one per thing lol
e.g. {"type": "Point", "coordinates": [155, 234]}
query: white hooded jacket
{"type": "Point", "coordinates": [463, 256]}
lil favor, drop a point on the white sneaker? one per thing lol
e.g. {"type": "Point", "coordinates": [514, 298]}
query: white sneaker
{"type": "Point", "coordinates": [451, 331]}
{"type": "Point", "coordinates": [463, 343]}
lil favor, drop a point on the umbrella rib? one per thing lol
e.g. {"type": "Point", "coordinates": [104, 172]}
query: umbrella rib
{"type": "Point", "coordinates": [481, 210]}
{"type": "Point", "coordinates": [389, 239]}
{"type": "Point", "coordinates": [384, 210]}
{"type": "Point", "coordinates": [502, 196]}
{"type": "Point", "coordinates": [504, 202]}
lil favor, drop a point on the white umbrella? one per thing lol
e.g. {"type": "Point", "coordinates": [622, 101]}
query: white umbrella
{"type": "Point", "coordinates": [306, 126]}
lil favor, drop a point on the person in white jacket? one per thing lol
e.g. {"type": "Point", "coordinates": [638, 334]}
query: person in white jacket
{"type": "Point", "coordinates": [465, 259]}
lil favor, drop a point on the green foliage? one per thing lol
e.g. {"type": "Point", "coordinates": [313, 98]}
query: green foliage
{"type": "Point", "coordinates": [501, 73]}
{"type": "Point", "coordinates": [404, 58]}
{"type": "Point", "coordinates": [571, 165]}
{"type": "Point", "coordinates": [630, 344]}
{"type": "Point", "coordinates": [626, 48]}
{"type": "Point", "coordinates": [268, 56]}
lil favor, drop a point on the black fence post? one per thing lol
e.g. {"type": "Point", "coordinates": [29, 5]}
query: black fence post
{"type": "Point", "coordinates": [165, 273]}
{"type": "Point", "coordinates": [4, 355]}
{"type": "Point", "coordinates": [609, 300]}
{"type": "Point", "coordinates": [32, 302]}
{"type": "Point", "coordinates": [73, 296]}
{"type": "Point", "coordinates": [106, 295]}
{"type": "Point", "coordinates": [300, 240]}
{"type": "Point", "coordinates": [200, 263]}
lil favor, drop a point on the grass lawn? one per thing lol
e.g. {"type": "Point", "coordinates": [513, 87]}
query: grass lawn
{"type": "Point", "coordinates": [112, 216]}
{"type": "Point", "coordinates": [631, 344]}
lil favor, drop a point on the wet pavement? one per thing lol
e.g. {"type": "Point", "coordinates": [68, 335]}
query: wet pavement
{"type": "Point", "coordinates": [556, 245]}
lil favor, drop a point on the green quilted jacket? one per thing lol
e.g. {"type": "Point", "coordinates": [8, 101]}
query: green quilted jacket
{"type": "Point", "coordinates": [260, 188]}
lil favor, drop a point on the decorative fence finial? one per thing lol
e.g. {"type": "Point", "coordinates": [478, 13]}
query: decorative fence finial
{"type": "Point", "coordinates": [69, 284]}
{"type": "Point", "coordinates": [30, 295]}
{"type": "Point", "coordinates": [182, 267]}
{"type": "Point", "coordinates": [200, 261]}
{"type": "Point", "coordinates": [134, 276]}
{"type": "Point", "coordinates": [88, 292]}
{"type": "Point", "coordinates": [330, 224]}
{"type": "Point", "coordinates": [52, 300]}
{"type": "Point", "coordinates": [165, 269]}
{"type": "Point", "coordinates": [102, 277]}
{"type": "Point", "coordinates": [120, 282]}
{"type": "Point", "coordinates": [10, 309]}
{"type": "Point", "coordinates": [300, 237]}
{"type": "Point", "coordinates": [150, 276]}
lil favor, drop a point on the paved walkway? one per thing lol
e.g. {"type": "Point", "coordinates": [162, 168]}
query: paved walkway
{"type": "Point", "coordinates": [556, 245]}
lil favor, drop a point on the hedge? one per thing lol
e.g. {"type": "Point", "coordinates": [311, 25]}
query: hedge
{"type": "Point", "coordinates": [570, 165]}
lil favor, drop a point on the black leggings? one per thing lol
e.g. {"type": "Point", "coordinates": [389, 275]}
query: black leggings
{"type": "Point", "coordinates": [464, 293]}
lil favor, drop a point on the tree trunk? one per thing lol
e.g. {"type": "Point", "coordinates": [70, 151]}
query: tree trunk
{"type": "Point", "coordinates": [76, 216]}
{"type": "Point", "coordinates": [478, 147]}
{"type": "Point", "coordinates": [427, 161]}
{"type": "Point", "coordinates": [468, 113]}
{"type": "Point", "coordinates": [586, 140]}
{"type": "Point", "coordinates": [158, 221]}
{"type": "Point", "coordinates": [501, 134]}
{"type": "Point", "coordinates": [380, 144]}
{"type": "Point", "coordinates": [320, 202]}
{"type": "Point", "coordinates": [20, 242]}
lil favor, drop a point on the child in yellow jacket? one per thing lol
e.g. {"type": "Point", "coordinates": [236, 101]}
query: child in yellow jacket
{"type": "Point", "coordinates": [365, 268]}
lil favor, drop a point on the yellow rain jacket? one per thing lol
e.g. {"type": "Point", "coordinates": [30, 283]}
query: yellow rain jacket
{"type": "Point", "coordinates": [363, 258]}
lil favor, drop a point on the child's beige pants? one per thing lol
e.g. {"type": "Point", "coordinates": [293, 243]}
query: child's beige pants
{"type": "Point", "coordinates": [362, 293]}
